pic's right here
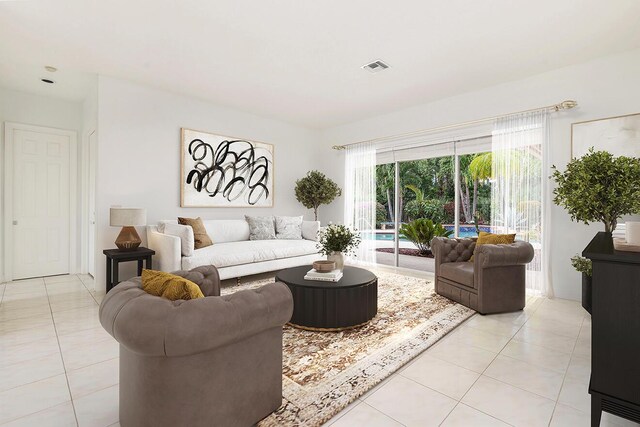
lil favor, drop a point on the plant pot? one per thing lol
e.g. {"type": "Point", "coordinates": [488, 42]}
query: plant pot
{"type": "Point", "coordinates": [338, 258]}
{"type": "Point", "coordinates": [586, 292]}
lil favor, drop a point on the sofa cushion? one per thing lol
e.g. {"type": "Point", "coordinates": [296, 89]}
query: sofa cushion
{"type": "Point", "coordinates": [238, 253]}
{"type": "Point", "coordinates": [200, 236]}
{"type": "Point", "coordinates": [227, 230]}
{"type": "Point", "coordinates": [169, 286]}
{"type": "Point", "coordinates": [289, 227]}
{"type": "Point", "coordinates": [261, 227]}
{"type": "Point", "coordinates": [459, 272]}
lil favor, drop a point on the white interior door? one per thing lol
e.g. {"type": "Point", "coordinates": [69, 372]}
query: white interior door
{"type": "Point", "coordinates": [40, 201]}
{"type": "Point", "coordinates": [91, 244]}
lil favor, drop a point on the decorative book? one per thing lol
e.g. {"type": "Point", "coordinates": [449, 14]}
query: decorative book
{"type": "Point", "coordinates": [330, 276]}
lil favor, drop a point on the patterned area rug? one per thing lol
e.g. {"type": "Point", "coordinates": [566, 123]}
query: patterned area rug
{"type": "Point", "coordinates": [325, 371]}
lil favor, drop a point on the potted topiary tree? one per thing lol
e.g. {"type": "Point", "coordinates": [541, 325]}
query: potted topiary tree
{"type": "Point", "coordinates": [316, 189]}
{"type": "Point", "coordinates": [597, 187]}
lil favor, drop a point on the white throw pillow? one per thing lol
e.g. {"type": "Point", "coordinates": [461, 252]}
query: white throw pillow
{"type": "Point", "coordinates": [185, 233]}
{"type": "Point", "coordinates": [289, 227]}
{"type": "Point", "coordinates": [310, 230]}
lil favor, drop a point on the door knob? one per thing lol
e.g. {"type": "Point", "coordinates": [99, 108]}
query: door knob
{"type": "Point", "coordinates": [15, 222]}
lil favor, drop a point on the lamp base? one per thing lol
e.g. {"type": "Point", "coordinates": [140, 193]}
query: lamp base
{"type": "Point", "coordinates": [128, 239]}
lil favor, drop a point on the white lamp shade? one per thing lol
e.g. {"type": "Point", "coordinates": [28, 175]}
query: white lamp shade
{"type": "Point", "coordinates": [125, 217]}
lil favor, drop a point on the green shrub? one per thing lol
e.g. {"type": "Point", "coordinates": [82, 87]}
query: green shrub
{"type": "Point", "coordinates": [422, 231]}
{"type": "Point", "coordinates": [432, 209]}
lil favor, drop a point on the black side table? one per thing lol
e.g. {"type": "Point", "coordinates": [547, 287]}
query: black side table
{"type": "Point", "coordinates": [116, 256]}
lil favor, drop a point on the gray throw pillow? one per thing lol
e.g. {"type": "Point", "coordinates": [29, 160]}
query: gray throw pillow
{"type": "Point", "coordinates": [289, 227]}
{"type": "Point", "coordinates": [261, 227]}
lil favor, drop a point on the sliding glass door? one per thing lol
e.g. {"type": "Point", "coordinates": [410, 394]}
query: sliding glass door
{"type": "Point", "coordinates": [446, 183]}
{"type": "Point", "coordinates": [426, 190]}
{"type": "Point", "coordinates": [386, 234]}
{"type": "Point", "coordinates": [474, 194]}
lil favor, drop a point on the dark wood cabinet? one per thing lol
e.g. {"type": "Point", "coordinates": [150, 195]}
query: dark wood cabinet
{"type": "Point", "coordinates": [615, 330]}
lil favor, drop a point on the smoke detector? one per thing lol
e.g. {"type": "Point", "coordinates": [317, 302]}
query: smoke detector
{"type": "Point", "coordinates": [376, 66]}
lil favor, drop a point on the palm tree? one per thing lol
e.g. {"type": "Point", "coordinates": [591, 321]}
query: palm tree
{"type": "Point", "coordinates": [385, 182]}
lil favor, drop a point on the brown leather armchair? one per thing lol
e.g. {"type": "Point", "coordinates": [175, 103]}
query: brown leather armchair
{"type": "Point", "coordinates": [213, 361]}
{"type": "Point", "coordinates": [494, 282]}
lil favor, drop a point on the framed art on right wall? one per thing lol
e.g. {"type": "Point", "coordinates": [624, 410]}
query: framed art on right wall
{"type": "Point", "coordinates": [619, 136]}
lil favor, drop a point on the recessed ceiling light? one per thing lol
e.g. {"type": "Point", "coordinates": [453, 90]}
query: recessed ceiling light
{"type": "Point", "coordinates": [376, 66]}
{"type": "Point", "coordinates": [50, 69]}
{"type": "Point", "coordinates": [47, 81]}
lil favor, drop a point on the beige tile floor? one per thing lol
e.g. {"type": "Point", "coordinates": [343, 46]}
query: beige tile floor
{"type": "Point", "coordinates": [59, 368]}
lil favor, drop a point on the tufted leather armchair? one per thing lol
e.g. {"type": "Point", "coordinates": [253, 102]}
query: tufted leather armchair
{"type": "Point", "coordinates": [213, 361]}
{"type": "Point", "coordinates": [494, 282]}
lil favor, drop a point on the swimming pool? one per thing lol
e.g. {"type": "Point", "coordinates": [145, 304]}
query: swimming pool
{"type": "Point", "coordinates": [465, 231]}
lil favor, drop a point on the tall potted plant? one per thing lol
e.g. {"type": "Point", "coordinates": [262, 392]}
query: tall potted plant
{"type": "Point", "coordinates": [597, 187]}
{"type": "Point", "coordinates": [316, 189]}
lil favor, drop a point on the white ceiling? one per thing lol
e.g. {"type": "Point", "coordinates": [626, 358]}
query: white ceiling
{"type": "Point", "coordinates": [299, 60]}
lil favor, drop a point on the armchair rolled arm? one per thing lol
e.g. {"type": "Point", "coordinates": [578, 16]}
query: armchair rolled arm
{"type": "Point", "coordinates": [205, 276]}
{"type": "Point", "coordinates": [517, 253]}
{"type": "Point", "coordinates": [154, 326]}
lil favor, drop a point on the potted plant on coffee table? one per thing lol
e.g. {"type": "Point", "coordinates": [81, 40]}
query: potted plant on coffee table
{"type": "Point", "coordinates": [335, 241]}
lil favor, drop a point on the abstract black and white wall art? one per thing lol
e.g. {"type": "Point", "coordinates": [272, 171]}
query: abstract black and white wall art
{"type": "Point", "coordinates": [220, 171]}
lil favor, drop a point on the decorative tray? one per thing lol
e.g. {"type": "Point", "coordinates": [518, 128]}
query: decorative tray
{"type": "Point", "coordinates": [622, 245]}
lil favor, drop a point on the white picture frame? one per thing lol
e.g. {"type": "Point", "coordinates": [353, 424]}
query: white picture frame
{"type": "Point", "coordinates": [619, 135]}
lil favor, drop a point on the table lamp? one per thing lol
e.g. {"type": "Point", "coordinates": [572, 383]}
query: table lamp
{"type": "Point", "coordinates": [127, 218]}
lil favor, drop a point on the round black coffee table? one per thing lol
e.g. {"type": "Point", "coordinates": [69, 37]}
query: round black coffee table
{"type": "Point", "coordinates": [331, 306]}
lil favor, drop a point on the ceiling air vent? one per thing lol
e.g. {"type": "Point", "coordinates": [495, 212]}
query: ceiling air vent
{"type": "Point", "coordinates": [375, 66]}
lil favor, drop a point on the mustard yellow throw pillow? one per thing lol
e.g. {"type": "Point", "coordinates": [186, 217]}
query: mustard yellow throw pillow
{"type": "Point", "coordinates": [169, 286]}
{"type": "Point", "coordinates": [485, 238]}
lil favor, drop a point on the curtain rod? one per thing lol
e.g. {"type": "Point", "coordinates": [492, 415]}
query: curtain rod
{"type": "Point", "coordinates": [564, 105]}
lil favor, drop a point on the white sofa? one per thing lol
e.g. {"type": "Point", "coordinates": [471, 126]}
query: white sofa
{"type": "Point", "coordinates": [232, 252]}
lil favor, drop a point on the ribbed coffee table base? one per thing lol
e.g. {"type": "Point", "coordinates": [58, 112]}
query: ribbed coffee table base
{"type": "Point", "coordinates": [331, 306]}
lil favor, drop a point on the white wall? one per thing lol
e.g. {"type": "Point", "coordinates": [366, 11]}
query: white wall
{"type": "Point", "coordinates": [21, 107]}
{"type": "Point", "coordinates": [605, 87]}
{"type": "Point", "coordinates": [139, 156]}
{"type": "Point", "coordinates": [89, 125]}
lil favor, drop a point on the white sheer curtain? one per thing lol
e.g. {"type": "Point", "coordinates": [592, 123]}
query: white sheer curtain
{"type": "Point", "coordinates": [360, 197]}
{"type": "Point", "coordinates": [519, 150]}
